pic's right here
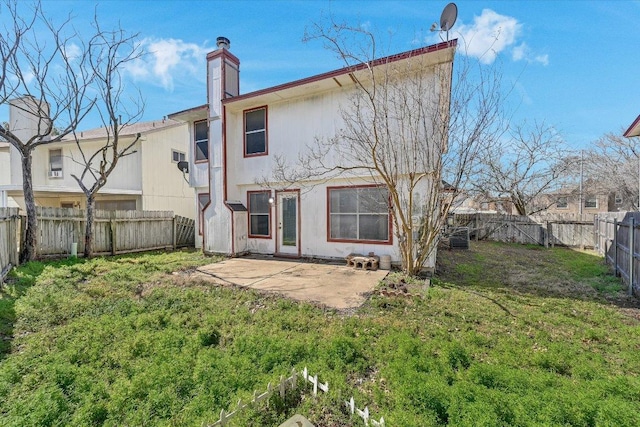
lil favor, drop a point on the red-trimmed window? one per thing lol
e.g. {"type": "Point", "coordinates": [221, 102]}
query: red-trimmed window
{"type": "Point", "coordinates": [201, 140]}
{"type": "Point", "coordinates": [255, 132]}
{"type": "Point", "coordinates": [359, 214]}
{"type": "Point", "coordinates": [203, 201]}
{"type": "Point", "coordinates": [259, 214]}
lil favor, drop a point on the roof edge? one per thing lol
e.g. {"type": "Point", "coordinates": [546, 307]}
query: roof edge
{"type": "Point", "coordinates": [188, 110]}
{"type": "Point", "coordinates": [634, 129]}
{"type": "Point", "coordinates": [345, 70]}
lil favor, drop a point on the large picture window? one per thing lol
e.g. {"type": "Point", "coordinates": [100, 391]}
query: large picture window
{"type": "Point", "coordinates": [259, 214]}
{"type": "Point", "coordinates": [359, 214]}
{"type": "Point", "coordinates": [201, 140]}
{"type": "Point", "coordinates": [255, 132]}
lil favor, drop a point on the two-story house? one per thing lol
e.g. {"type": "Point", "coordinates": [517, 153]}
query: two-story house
{"type": "Point", "coordinates": [235, 141]}
{"type": "Point", "coordinates": [146, 179]}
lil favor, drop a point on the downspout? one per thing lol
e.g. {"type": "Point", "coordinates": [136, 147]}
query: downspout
{"type": "Point", "coordinates": [224, 170]}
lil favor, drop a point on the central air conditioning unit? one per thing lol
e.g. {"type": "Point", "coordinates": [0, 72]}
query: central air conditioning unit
{"type": "Point", "coordinates": [55, 174]}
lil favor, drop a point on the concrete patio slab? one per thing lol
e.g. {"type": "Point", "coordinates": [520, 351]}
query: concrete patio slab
{"type": "Point", "coordinates": [333, 285]}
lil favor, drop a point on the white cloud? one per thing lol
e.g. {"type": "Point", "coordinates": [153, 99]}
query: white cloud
{"type": "Point", "coordinates": [71, 51]}
{"type": "Point", "coordinates": [522, 52]}
{"type": "Point", "coordinates": [167, 61]}
{"type": "Point", "coordinates": [490, 34]}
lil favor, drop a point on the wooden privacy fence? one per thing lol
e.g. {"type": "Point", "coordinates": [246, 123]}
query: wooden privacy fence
{"type": "Point", "coordinates": [618, 241]}
{"type": "Point", "coordinates": [115, 232]}
{"type": "Point", "coordinates": [61, 231]}
{"type": "Point", "coordinates": [548, 230]}
{"type": "Point", "coordinates": [9, 240]}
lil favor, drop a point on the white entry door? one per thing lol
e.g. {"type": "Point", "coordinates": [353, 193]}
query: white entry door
{"type": "Point", "coordinates": [288, 233]}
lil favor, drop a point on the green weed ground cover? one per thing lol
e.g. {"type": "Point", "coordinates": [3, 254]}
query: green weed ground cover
{"type": "Point", "coordinates": [506, 335]}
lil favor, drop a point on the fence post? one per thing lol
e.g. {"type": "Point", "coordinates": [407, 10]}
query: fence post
{"type": "Point", "coordinates": [615, 247]}
{"type": "Point", "coordinates": [546, 236]}
{"type": "Point", "coordinates": [114, 233]}
{"type": "Point", "coordinates": [175, 233]}
{"type": "Point", "coordinates": [631, 253]}
{"type": "Point", "coordinates": [596, 231]}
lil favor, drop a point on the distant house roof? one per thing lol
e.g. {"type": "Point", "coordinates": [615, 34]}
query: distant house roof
{"type": "Point", "coordinates": [128, 130]}
{"type": "Point", "coordinates": [191, 114]}
{"type": "Point", "coordinates": [634, 129]}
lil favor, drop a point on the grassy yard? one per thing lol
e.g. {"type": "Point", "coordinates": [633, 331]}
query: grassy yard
{"type": "Point", "coordinates": [506, 335]}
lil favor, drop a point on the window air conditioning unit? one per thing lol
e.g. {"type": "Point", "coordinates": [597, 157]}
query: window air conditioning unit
{"type": "Point", "coordinates": [55, 174]}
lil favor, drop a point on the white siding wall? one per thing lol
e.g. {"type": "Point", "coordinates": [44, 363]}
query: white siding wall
{"type": "Point", "coordinates": [163, 185]}
{"type": "Point", "coordinates": [292, 126]}
{"type": "Point", "coordinates": [126, 177]}
{"type": "Point", "coordinates": [217, 217]}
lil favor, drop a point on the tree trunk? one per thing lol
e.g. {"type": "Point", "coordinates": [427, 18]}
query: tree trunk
{"type": "Point", "coordinates": [28, 252]}
{"type": "Point", "coordinates": [88, 233]}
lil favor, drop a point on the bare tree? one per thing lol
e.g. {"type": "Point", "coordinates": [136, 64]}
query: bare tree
{"type": "Point", "coordinates": [524, 167]}
{"type": "Point", "coordinates": [108, 53]}
{"type": "Point", "coordinates": [399, 131]}
{"type": "Point", "coordinates": [614, 163]}
{"type": "Point", "coordinates": [46, 83]}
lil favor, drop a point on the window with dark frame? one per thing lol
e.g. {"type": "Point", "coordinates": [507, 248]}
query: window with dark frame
{"type": "Point", "coordinates": [255, 132]}
{"type": "Point", "coordinates": [359, 214]}
{"type": "Point", "coordinates": [591, 202]}
{"type": "Point", "coordinates": [55, 163]}
{"type": "Point", "coordinates": [201, 140]}
{"type": "Point", "coordinates": [177, 156]}
{"type": "Point", "coordinates": [618, 199]}
{"type": "Point", "coordinates": [259, 214]}
{"type": "Point", "coordinates": [562, 203]}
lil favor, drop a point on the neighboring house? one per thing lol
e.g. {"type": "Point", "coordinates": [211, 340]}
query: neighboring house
{"type": "Point", "coordinates": [5, 176]}
{"type": "Point", "coordinates": [147, 179]}
{"type": "Point", "coordinates": [594, 200]}
{"type": "Point", "coordinates": [235, 139]}
{"type": "Point", "coordinates": [467, 204]}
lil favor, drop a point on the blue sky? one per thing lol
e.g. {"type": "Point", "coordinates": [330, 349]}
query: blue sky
{"type": "Point", "coordinates": [574, 64]}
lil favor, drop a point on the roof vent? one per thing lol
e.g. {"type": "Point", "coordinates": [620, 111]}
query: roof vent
{"type": "Point", "coordinates": [223, 42]}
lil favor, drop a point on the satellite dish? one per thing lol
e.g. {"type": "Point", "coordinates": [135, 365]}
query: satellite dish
{"type": "Point", "coordinates": [448, 17]}
{"type": "Point", "coordinates": [183, 166]}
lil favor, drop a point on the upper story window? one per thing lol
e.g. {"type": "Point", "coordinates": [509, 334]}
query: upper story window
{"type": "Point", "coordinates": [359, 214]}
{"type": "Point", "coordinates": [177, 156]}
{"type": "Point", "coordinates": [591, 202]}
{"type": "Point", "coordinates": [562, 203]}
{"type": "Point", "coordinates": [201, 140]}
{"type": "Point", "coordinates": [55, 163]}
{"type": "Point", "coordinates": [255, 132]}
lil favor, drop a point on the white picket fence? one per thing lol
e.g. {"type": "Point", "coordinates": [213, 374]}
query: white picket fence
{"type": "Point", "coordinates": [364, 414]}
{"type": "Point", "coordinates": [291, 383]}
